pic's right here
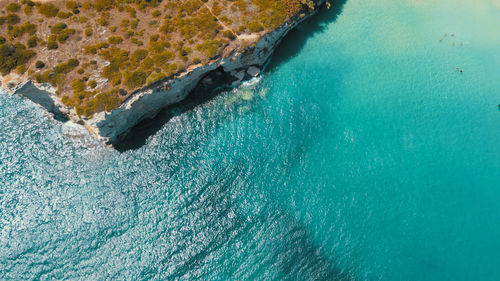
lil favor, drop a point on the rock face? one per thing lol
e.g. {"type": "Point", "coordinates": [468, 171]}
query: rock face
{"type": "Point", "coordinates": [108, 126]}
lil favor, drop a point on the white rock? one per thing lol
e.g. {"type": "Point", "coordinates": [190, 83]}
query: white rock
{"type": "Point", "coordinates": [253, 71]}
{"type": "Point", "coordinates": [240, 75]}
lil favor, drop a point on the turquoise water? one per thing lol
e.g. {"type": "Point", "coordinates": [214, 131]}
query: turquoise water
{"type": "Point", "coordinates": [361, 154]}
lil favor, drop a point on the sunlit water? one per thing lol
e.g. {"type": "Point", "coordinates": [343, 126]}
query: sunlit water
{"type": "Point", "coordinates": [362, 153]}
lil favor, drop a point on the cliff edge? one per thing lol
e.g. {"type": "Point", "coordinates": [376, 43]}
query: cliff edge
{"type": "Point", "coordinates": [241, 57]}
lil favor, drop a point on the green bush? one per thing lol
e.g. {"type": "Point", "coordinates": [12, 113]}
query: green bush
{"type": "Point", "coordinates": [101, 5]}
{"type": "Point", "coordinates": [67, 67]}
{"type": "Point", "coordinates": [12, 56]}
{"type": "Point", "coordinates": [209, 48]}
{"type": "Point", "coordinates": [136, 79]}
{"type": "Point", "coordinates": [18, 31]}
{"type": "Point", "coordinates": [115, 40]}
{"type": "Point", "coordinates": [52, 42]}
{"type": "Point", "coordinates": [64, 15]}
{"type": "Point", "coordinates": [12, 19]}
{"type": "Point", "coordinates": [28, 10]}
{"type": "Point", "coordinates": [48, 10]}
{"type": "Point", "coordinates": [228, 34]}
{"type": "Point", "coordinates": [32, 42]}
{"type": "Point", "coordinates": [156, 13]}
{"type": "Point", "coordinates": [102, 21]}
{"type": "Point", "coordinates": [154, 77]}
{"type": "Point", "coordinates": [65, 34]}
{"type": "Point", "coordinates": [140, 54]}
{"type": "Point", "coordinates": [58, 28]}
{"type": "Point", "coordinates": [88, 31]}
{"type": "Point", "coordinates": [255, 26]}
{"type": "Point", "coordinates": [21, 69]}
{"type": "Point", "coordinates": [71, 5]}
{"type": "Point", "coordinates": [78, 86]}
{"type": "Point", "coordinates": [13, 7]}
{"type": "Point", "coordinates": [39, 64]}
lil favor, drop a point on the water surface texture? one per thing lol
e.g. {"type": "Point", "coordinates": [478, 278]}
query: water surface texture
{"type": "Point", "coordinates": [361, 154]}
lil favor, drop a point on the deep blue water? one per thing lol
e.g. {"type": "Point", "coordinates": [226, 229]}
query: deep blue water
{"type": "Point", "coordinates": [361, 154]}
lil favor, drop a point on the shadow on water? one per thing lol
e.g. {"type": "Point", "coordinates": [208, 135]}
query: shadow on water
{"type": "Point", "coordinates": [296, 39]}
{"type": "Point", "coordinates": [201, 94]}
{"type": "Point", "coordinates": [291, 45]}
{"type": "Point", "coordinates": [282, 245]}
{"type": "Point", "coordinates": [298, 258]}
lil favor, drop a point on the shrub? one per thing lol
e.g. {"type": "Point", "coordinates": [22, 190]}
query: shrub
{"type": "Point", "coordinates": [88, 31]}
{"type": "Point", "coordinates": [12, 56]}
{"type": "Point", "coordinates": [28, 10]}
{"type": "Point", "coordinates": [125, 23]}
{"type": "Point", "coordinates": [255, 26]}
{"type": "Point", "coordinates": [185, 51]}
{"type": "Point", "coordinates": [28, 3]}
{"type": "Point", "coordinates": [12, 19]}
{"type": "Point", "coordinates": [21, 69]}
{"type": "Point", "coordinates": [102, 21]}
{"type": "Point", "coordinates": [39, 64]}
{"type": "Point", "coordinates": [115, 40]}
{"type": "Point", "coordinates": [65, 34]}
{"type": "Point", "coordinates": [154, 77]}
{"type": "Point", "coordinates": [78, 85]}
{"type": "Point", "coordinates": [48, 10]}
{"type": "Point", "coordinates": [64, 15]}
{"type": "Point", "coordinates": [101, 5]}
{"type": "Point", "coordinates": [71, 5]}
{"type": "Point", "coordinates": [92, 84]}
{"type": "Point", "coordinates": [87, 5]}
{"type": "Point", "coordinates": [209, 48]}
{"type": "Point", "coordinates": [67, 67]}
{"type": "Point", "coordinates": [32, 42]}
{"type": "Point", "coordinates": [228, 34]}
{"type": "Point", "coordinates": [18, 31]}
{"type": "Point", "coordinates": [83, 19]}
{"type": "Point", "coordinates": [134, 24]}
{"type": "Point", "coordinates": [140, 54]}
{"type": "Point", "coordinates": [52, 43]}
{"type": "Point", "coordinates": [136, 79]}
{"type": "Point", "coordinates": [13, 7]}
{"type": "Point", "coordinates": [58, 28]}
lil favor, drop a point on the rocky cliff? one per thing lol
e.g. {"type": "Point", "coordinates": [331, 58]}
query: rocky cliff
{"type": "Point", "coordinates": [147, 102]}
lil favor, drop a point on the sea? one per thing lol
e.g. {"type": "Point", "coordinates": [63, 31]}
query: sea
{"type": "Point", "coordinates": [369, 149]}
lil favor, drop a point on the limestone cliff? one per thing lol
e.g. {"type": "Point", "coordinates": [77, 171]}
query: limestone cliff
{"type": "Point", "coordinates": [147, 102]}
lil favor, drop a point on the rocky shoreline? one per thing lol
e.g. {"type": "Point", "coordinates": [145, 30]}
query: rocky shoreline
{"type": "Point", "coordinates": [149, 101]}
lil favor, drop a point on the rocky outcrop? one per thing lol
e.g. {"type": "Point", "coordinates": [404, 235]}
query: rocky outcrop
{"type": "Point", "coordinates": [146, 103]}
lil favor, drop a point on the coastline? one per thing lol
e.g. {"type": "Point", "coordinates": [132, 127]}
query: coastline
{"type": "Point", "coordinates": [147, 102]}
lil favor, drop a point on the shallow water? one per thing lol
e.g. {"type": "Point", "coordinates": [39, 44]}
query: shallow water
{"type": "Point", "coordinates": [360, 154]}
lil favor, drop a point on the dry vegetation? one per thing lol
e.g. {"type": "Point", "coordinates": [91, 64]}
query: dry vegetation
{"type": "Point", "coordinates": [98, 52]}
